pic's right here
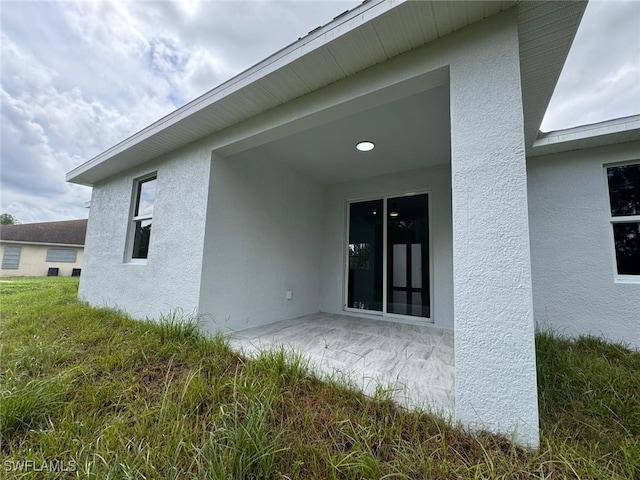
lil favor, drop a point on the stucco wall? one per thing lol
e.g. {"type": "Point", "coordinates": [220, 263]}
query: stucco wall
{"type": "Point", "coordinates": [263, 238]}
{"type": "Point", "coordinates": [33, 261]}
{"type": "Point", "coordinates": [437, 182]}
{"type": "Point", "coordinates": [494, 328]}
{"type": "Point", "coordinates": [170, 278]}
{"type": "Point", "coordinates": [574, 290]}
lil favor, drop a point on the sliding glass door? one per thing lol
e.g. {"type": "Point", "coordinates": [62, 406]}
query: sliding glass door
{"type": "Point", "coordinates": [388, 256]}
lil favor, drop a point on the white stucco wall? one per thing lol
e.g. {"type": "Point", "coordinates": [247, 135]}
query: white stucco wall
{"type": "Point", "coordinates": [494, 331]}
{"type": "Point", "coordinates": [170, 279]}
{"type": "Point", "coordinates": [263, 238]}
{"type": "Point", "coordinates": [33, 260]}
{"type": "Point", "coordinates": [574, 286]}
{"type": "Point", "coordinates": [434, 180]}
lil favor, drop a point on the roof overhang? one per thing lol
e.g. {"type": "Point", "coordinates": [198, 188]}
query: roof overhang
{"type": "Point", "coordinates": [367, 35]}
{"type": "Point", "coordinates": [41, 244]}
{"type": "Point", "coordinates": [620, 130]}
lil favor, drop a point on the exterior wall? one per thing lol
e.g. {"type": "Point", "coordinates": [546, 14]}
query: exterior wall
{"type": "Point", "coordinates": [437, 182]}
{"type": "Point", "coordinates": [33, 261]}
{"type": "Point", "coordinates": [574, 290]}
{"type": "Point", "coordinates": [495, 358]}
{"type": "Point", "coordinates": [263, 238]}
{"type": "Point", "coordinates": [170, 279]}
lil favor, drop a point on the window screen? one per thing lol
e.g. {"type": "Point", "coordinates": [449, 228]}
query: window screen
{"type": "Point", "coordinates": [11, 258]}
{"type": "Point", "coordinates": [62, 255]}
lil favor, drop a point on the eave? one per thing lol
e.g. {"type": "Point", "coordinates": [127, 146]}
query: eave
{"type": "Point", "coordinates": [369, 34]}
{"type": "Point", "coordinates": [619, 130]}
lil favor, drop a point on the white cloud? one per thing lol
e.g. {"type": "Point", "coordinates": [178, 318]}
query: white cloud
{"type": "Point", "coordinates": [601, 78]}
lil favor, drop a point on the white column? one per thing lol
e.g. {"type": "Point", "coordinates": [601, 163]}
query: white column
{"type": "Point", "coordinates": [493, 313]}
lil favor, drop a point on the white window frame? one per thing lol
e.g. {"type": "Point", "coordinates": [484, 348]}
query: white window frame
{"type": "Point", "coordinates": [135, 198]}
{"type": "Point", "coordinates": [618, 278]}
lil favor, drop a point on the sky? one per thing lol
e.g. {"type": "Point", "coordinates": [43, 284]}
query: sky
{"type": "Point", "coordinates": [77, 77]}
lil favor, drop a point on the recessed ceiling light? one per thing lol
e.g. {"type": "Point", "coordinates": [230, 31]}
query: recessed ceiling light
{"type": "Point", "coordinates": [365, 146]}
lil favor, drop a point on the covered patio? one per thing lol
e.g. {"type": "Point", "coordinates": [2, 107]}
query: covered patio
{"type": "Point", "coordinates": [426, 231]}
{"type": "Point", "coordinates": [415, 362]}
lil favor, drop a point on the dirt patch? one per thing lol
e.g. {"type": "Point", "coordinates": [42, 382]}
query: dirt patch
{"type": "Point", "coordinates": [154, 375]}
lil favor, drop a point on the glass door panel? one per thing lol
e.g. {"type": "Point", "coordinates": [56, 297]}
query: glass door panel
{"type": "Point", "coordinates": [408, 256]}
{"type": "Point", "coordinates": [366, 264]}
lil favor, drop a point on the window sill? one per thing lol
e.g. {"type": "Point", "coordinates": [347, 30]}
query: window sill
{"type": "Point", "coordinates": [136, 261]}
{"type": "Point", "coordinates": [632, 279]}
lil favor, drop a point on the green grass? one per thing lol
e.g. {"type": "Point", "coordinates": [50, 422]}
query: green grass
{"type": "Point", "coordinates": [110, 397]}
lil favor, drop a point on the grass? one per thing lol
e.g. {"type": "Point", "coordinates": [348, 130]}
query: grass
{"type": "Point", "coordinates": [105, 397]}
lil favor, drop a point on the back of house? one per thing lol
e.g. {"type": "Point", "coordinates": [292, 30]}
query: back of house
{"type": "Point", "coordinates": [388, 166]}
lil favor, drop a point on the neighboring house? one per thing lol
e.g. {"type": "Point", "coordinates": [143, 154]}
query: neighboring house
{"type": "Point", "coordinates": [464, 216]}
{"type": "Point", "coordinates": [40, 249]}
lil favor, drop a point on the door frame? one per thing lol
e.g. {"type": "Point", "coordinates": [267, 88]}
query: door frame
{"type": "Point", "coordinates": [385, 266]}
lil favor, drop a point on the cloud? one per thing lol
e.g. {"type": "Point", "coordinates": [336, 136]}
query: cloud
{"type": "Point", "coordinates": [601, 78]}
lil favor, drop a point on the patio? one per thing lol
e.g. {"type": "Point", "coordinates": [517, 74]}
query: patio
{"type": "Point", "coordinates": [416, 362]}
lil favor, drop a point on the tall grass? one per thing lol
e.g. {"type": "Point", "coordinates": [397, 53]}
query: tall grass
{"type": "Point", "coordinates": [589, 395]}
{"type": "Point", "coordinates": [108, 397]}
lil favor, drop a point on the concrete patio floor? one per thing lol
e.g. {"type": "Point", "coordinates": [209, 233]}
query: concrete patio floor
{"type": "Point", "coordinates": [416, 362]}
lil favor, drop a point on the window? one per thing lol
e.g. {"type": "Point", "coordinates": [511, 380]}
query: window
{"type": "Point", "coordinates": [61, 255]}
{"type": "Point", "coordinates": [624, 205]}
{"type": "Point", "coordinates": [11, 258]}
{"type": "Point", "coordinates": [144, 198]}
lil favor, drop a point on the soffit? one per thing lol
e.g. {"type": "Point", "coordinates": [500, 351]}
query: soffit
{"type": "Point", "coordinates": [546, 31]}
{"type": "Point", "coordinates": [365, 36]}
{"type": "Point", "coordinates": [410, 133]}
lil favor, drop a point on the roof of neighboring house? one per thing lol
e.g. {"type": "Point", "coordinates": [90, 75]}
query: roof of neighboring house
{"type": "Point", "coordinates": [619, 130]}
{"type": "Point", "coordinates": [355, 40]}
{"type": "Point", "coordinates": [68, 232]}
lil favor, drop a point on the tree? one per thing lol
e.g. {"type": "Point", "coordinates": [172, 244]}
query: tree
{"type": "Point", "coordinates": [8, 219]}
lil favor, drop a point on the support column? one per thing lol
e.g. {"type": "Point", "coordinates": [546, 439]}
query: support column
{"type": "Point", "coordinates": [493, 311]}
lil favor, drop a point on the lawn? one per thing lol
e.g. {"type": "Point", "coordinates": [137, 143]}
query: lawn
{"type": "Point", "coordinates": [90, 393]}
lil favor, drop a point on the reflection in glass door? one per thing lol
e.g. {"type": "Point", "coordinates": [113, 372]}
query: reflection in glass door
{"type": "Point", "coordinates": [364, 290]}
{"type": "Point", "coordinates": [408, 256]}
{"type": "Point", "coordinates": [394, 231]}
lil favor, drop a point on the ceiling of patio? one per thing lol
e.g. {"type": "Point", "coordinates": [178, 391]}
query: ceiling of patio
{"type": "Point", "coordinates": [409, 133]}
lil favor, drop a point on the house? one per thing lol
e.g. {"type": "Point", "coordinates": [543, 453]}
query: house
{"type": "Point", "coordinates": [39, 249]}
{"type": "Point", "coordinates": [459, 214]}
